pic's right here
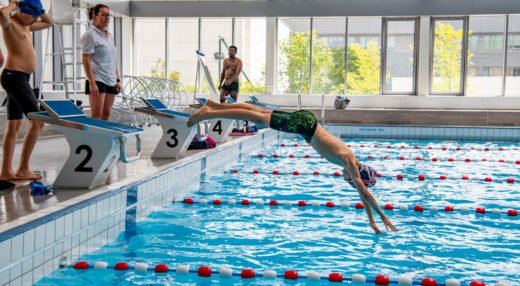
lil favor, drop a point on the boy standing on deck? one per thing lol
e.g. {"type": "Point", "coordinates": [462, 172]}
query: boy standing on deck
{"type": "Point", "coordinates": [19, 65]}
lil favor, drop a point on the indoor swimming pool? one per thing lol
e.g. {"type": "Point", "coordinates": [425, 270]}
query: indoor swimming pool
{"type": "Point", "coordinates": [285, 209]}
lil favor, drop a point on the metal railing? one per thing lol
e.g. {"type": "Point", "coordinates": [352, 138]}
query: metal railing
{"type": "Point", "coordinates": [170, 91]}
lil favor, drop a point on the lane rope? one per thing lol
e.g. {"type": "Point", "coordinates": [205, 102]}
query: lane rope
{"type": "Point", "coordinates": [413, 158]}
{"type": "Point", "coordinates": [380, 175]}
{"type": "Point", "coordinates": [347, 206]}
{"type": "Point", "coordinates": [248, 273]}
{"type": "Point", "coordinates": [444, 148]}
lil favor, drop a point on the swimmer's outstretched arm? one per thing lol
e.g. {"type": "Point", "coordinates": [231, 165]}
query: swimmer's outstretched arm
{"type": "Point", "coordinates": [368, 199]}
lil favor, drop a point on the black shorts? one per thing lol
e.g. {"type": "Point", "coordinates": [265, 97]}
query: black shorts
{"type": "Point", "coordinates": [232, 87]}
{"type": "Point", "coordinates": [20, 96]}
{"type": "Point", "coordinates": [301, 122]}
{"type": "Point", "coordinates": [103, 88]}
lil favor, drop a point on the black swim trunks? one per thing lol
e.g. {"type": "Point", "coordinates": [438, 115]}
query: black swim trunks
{"type": "Point", "coordinates": [301, 122]}
{"type": "Point", "coordinates": [102, 88]}
{"type": "Point", "coordinates": [232, 87]}
{"type": "Point", "coordinates": [20, 96]}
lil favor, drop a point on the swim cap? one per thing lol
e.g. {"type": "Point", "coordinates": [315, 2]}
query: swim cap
{"type": "Point", "coordinates": [31, 7]}
{"type": "Point", "coordinates": [368, 176]}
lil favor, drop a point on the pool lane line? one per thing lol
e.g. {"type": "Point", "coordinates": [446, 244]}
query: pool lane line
{"type": "Point", "coordinates": [402, 158]}
{"type": "Point", "coordinates": [344, 205]}
{"type": "Point", "coordinates": [401, 147]}
{"type": "Point", "coordinates": [247, 273]}
{"type": "Point", "coordinates": [398, 177]}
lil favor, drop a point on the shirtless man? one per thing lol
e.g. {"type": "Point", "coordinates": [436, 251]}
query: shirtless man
{"type": "Point", "coordinates": [230, 73]}
{"type": "Point", "coordinates": [303, 122]}
{"type": "Point", "coordinates": [19, 65]}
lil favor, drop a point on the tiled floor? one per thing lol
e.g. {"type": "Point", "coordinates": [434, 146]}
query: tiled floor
{"type": "Point", "coordinates": [49, 156]}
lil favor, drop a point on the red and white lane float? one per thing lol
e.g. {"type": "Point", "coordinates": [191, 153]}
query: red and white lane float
{"type": "Point", "coordinates": [247, 273]}
{"type": "Point", "coordinates": [420, 177]}
{"type": "Point", "coordinates": [345, 205]}
{"type": "Point", "coordinates": [401, 158]}
{"type": "Point", "coordinates": [401, 147]}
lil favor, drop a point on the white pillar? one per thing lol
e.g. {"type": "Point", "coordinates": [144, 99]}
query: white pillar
{"type": "Point", "coordinates": [271, 55]}
{"type": "Point", "coordinates": [127, 43]}
{"type": "Point", "coordinates": [423, 58]}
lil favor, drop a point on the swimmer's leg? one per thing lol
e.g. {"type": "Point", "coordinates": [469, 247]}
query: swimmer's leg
{"type": "Point", "coordinates": [220, 106]}
{"type": "Point", "coordinates": [207, 112]}
{"type": "Point", "coordinates": [27, 148]}
{"type": "Point", "coordinates": [10, 135]}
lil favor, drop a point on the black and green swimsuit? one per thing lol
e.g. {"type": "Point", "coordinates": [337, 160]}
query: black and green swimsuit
{"type": "Point", "coordinates": [301, 122]}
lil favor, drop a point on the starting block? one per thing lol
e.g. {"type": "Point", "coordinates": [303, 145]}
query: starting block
{"type": "Point", "coordinates": [176, 135]}
{"type": "Point", "coordinates": [95, 145]}
{"type": "Point", "coordinates": [219, 129]}
{"type": "Point", "coordinates": [254, 101]}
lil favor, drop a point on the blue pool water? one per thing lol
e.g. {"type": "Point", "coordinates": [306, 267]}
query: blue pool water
{"type": "Point", "coordinates": [437, 245]}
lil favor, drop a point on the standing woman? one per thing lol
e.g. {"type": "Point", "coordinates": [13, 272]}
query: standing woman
{"type": "Point", "coordinates": [99, 61]}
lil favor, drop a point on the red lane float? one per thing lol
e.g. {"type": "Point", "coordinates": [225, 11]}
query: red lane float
{"type": "Point", "coordinates": [81, 265]}
{"type": "Point", "coordinates": [121, 266]}
{"type": "Point", "coordinates": [335, 277]}
{"type": "Point", "coordinates": [247, 273]}
{"type": "Point", "coordinates": [204, 271]}
{"type": "Point", "coordinates": [291, 275]}
{"type": "Point", "coordinates": [161, 268]}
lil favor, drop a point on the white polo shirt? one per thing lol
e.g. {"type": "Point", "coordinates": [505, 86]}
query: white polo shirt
{"type": "Point", "coordinates": [103, 51]}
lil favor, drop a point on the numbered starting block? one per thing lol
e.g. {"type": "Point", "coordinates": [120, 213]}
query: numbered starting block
{"type": "Point", "coordinates": [219, 129]}
{"type": "Point", "coordinates": [95, 145]}
{"type": "Point", "coordinates": [176, 135]}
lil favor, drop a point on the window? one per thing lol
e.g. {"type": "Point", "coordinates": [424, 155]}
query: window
{"type": "Point", "coordinates": [183, 42]}
{"type": "Point", "coordinates": [485, 61]}
{"type": "Point", "coordinates": [250, 39]}
{"type": "Point", "coordinates": [364, 55]}
{"type": "Point", "coordinates": [400, 56]}
{"type": "Point", "coordinates": [293, 55]}
{"type": "Point", "coordinates": [513, 57]}
{"type": "Point", "coordinates": [328, 55]}
{"type": "Point", "coordinates": [448, 54]}
{"type": "Point", "coordinates": [150, 47]}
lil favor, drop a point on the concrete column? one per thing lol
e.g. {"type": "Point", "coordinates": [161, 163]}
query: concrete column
{"type": "Point", "coordinates": [423, 57]}
{"type": "Point", "coordinates": [271, 55]}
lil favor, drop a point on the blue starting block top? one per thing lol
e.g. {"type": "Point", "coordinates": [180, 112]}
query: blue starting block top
{"type": "Point", "coordinates": [62, 108]}
{"type": "Point", "coordinates": [156, 105]}
{"type": "Point", "coordinates": [230, 99]}
{"type": "Point", "coordinates": [64, 112]}
{"type": "Point", "coordinates": [254, 100]}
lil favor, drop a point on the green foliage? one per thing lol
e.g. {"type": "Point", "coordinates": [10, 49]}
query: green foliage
{"type": "Point", "coordinates": [447, 58]}
{"type": "Point", "coordinates": [294, 63]}
{"type": "Point", "coordinates": [363, 68]}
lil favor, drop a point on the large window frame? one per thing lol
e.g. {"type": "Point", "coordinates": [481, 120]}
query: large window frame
{"type": "Point", "coordinates": [384, 52]}
{"type": "Point", "coordinates": [464, 54]}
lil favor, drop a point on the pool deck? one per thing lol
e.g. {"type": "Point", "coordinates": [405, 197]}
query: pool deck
{"type": "Point", "coordinates": [18, 206]}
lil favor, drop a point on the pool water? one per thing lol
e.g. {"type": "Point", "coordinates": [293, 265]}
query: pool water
{"type": "Point", "coordinates": [440, 245]}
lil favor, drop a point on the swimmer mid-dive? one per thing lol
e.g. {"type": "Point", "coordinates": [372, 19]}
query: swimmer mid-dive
{"type": "Point", "coordinates": [304, 123]}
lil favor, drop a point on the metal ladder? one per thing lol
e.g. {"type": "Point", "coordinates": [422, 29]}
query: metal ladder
{"type": "Point", "coordinates": [67, 20]}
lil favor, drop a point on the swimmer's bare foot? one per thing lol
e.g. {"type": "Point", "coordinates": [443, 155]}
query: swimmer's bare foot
{"type": "Point", "coordinates": [10, 176]}
{"type": "Point", "coordinates": [198, 116]}
{"type": "Point", "coordinates": [212, 104]}
{"type": "Point", "coordinates": [28, 175]}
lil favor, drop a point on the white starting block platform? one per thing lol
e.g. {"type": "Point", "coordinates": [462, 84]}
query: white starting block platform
{"type": "Point", "coordinates": [95, 145]}
{"type": "Point", "coordinates": [177, 136]}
